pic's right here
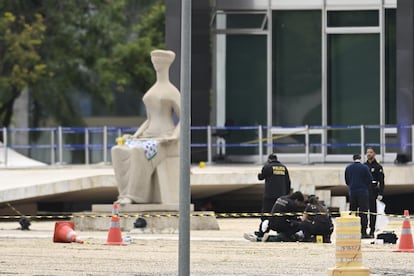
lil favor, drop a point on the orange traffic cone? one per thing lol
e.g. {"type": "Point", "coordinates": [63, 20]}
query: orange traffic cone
{"type": "Point", "coordinates": [64, 232]}
{"type": "Point", "coordinates": [114, 234]}
{"type": "Point", "coordinates": [406, 238]}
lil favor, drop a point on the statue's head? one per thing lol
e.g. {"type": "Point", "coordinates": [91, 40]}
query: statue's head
{"type": "Point", "coordinates": [162, 57]}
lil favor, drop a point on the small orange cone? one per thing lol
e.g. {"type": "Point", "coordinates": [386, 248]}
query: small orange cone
{"type": "Point", "coordinates": [114, 234]}
{"type": "Point", "coordinates": [406, 238]}
{"type": "Point", "coordinates": [64, 232]}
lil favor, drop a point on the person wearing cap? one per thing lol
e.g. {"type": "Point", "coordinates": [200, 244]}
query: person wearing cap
{"type": "Point", "coordinates": [376, 189]}
{"type": "Point", "coordinates": [358, 178]}
{"type": "Point", "coordinates": [316, 220]}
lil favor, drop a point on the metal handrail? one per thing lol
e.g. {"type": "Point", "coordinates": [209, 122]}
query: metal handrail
{"type": "Point", "coordinates": [214, 140]}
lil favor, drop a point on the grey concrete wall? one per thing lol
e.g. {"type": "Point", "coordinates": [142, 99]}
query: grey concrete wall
{"type": "Point", "coordinates": [200, 63]}
{"type": "Point", "coordinates": [173, 37]}
{"type": "Point", "coordinates": [405, 69]}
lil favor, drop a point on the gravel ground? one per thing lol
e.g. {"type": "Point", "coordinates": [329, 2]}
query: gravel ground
{"type": "Point", "coordinates": [222, 252]}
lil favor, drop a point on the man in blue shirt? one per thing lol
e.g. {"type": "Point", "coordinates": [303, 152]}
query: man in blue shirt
{"type": "Point", "coordinates": [359, 178]}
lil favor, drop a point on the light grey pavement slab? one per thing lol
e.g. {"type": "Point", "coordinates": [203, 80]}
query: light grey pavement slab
{"type": "Point", "coordinates": [220, 252]}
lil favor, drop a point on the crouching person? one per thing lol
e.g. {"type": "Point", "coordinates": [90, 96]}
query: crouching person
{"type": "Point", "coordinates": [316, 221]}
{"type": "Point", "coordinates": [285, 220]}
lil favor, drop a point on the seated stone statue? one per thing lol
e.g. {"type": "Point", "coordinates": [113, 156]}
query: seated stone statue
{"type": "Point", "coordinates": [137, 156]}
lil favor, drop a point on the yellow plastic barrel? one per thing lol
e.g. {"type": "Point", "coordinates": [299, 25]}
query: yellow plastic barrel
{"type": "Point", "coordinates": [348, 247]}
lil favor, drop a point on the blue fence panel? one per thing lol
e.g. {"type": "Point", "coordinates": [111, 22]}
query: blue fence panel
{"type": "Point", "coordinates": [98, 140]}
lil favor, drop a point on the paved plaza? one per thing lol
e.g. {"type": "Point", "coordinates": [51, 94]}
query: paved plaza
{"type": "Point", "coordinates": [220, 252]}
{"type": "Point", "coordinates": [212, 252]}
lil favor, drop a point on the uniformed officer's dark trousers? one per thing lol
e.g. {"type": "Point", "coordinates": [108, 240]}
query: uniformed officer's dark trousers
{"type": "Point", "coordinates": [373, 194]}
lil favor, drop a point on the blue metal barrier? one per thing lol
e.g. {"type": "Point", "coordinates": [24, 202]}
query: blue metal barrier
{"type": "Point", "coordinates": [99, 144]}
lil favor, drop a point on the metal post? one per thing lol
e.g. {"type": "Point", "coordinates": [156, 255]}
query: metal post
{"type": "Point", "coordinates": [362, 140]}
{"type": "Point", "coordinates": [382, 142]}
{"type": "Point", "coordinates": [86, 146]}
{"type": "Point", "coordinates": [307, 145]}
{"type": "Point", "coordinates": [412, 146]}
{"type": "Point", "coordinates": [269, 76]}
{"type": "Point", "coordinates": [260, 134]}
{"type": "Point", "coordinates": [209, 154]}
{"type": "Point", "coordinates": [324, 84]}
{"type": "Point", "coordinates": [60, 141]}
{"type": "Point", "coordinates": [5, 146]}
{"type": "Point", "coordinates": [52, 147]}
{"type": "Point", "coordinates": [382, 78]}
{"type": "Point", "coordinates": [185, 192]}
{"type": "Point", "coordinates": [105, 144]}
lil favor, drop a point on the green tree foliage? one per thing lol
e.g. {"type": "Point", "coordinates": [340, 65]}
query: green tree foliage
{"type": "Point", "coordinates": [130, 63]}
{"type": "Point", "coordinates": [21, 64]}
{"type": "Point", "coordinates": [90, 48]}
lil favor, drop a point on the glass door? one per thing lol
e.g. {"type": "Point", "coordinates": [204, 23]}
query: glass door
{"type": "Point", "coordinates": [353, 89]}
{"type": "Point", "coordinates": [353, 79]}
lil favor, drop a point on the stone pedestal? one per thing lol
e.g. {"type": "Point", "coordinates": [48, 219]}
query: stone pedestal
{"type": "Point", "coordinates": [137, 208]}
{"type": "Point", "coordinates": [160, 218]}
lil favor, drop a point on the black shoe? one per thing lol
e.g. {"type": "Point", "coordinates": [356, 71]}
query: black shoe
{"type": "Point", "coordinates": [365, 236]}
{"type": "Point", "coordinates": [327, 239]}
{"type": "Point", "coordinates": [371, 235]}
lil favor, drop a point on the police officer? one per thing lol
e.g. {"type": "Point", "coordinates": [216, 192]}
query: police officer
{"type": "Point", "coordinates": [376, 189]}
{"type": "Point", "coordinates": [277, 182]}
{"type": "Point", "coordinates": [316, 220]}
{"type": "Point", "coordinates": [286, 222]}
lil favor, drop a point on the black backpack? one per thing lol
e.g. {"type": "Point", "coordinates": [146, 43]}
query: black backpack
{"type": "Point", "coordinates": [388, 237]}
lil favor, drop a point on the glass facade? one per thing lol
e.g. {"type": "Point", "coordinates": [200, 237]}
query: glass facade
{"type": "Point", "coordinates": [246, 82]}
{"type": "Point", "coordinates": [296, 68]}
{"type": "Point", "coordinates": [352, 18]}
{"type": "Point", "coordinates": [353, 87]}
{"type": "Point", "coordinates": [335, 70]}
{"type": "Point", "coordinates": [390, 67]}
{"type": "Point", "coordinates": [245, 87]}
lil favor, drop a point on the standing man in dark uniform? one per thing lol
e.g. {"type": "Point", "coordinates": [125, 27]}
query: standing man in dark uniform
{"type": "Point", "coordinates": [277, 182]}
{"type": "Point", "coordinates": [376, 189]}
{"type": "Point", "coordinates": [358, 179]}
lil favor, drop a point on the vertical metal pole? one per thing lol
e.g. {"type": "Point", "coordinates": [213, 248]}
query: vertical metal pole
{"type": "Point", "coordinates": [185, 192]}
{"type": "Point", "coordinates": [382, 78]}
{"type": "Point", "coordinates": [260, 134]}
{"type": "Point", "coordinates": [307, 145]}
{"type": "Point", "coordinates": [86, 146]}
{"type": "Point", "coordinates": [52, 147]}
{"type": "Point", "coordinates": [412, 140]}
{"type": "Point", "coordinates": [362, 141]}
{"type": "Point", "coordinates": [105, 144]}
{"type": "Point", "coordinates": [324, 84]}
{"type": "Point", "coordinates": [5, 145]}
{"type": "Point", "coordinates": [60, 141]}
{"type": "Point", "coordinates": [269, 83]}
{"type": "Point", "coordinates": [209, 154]}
